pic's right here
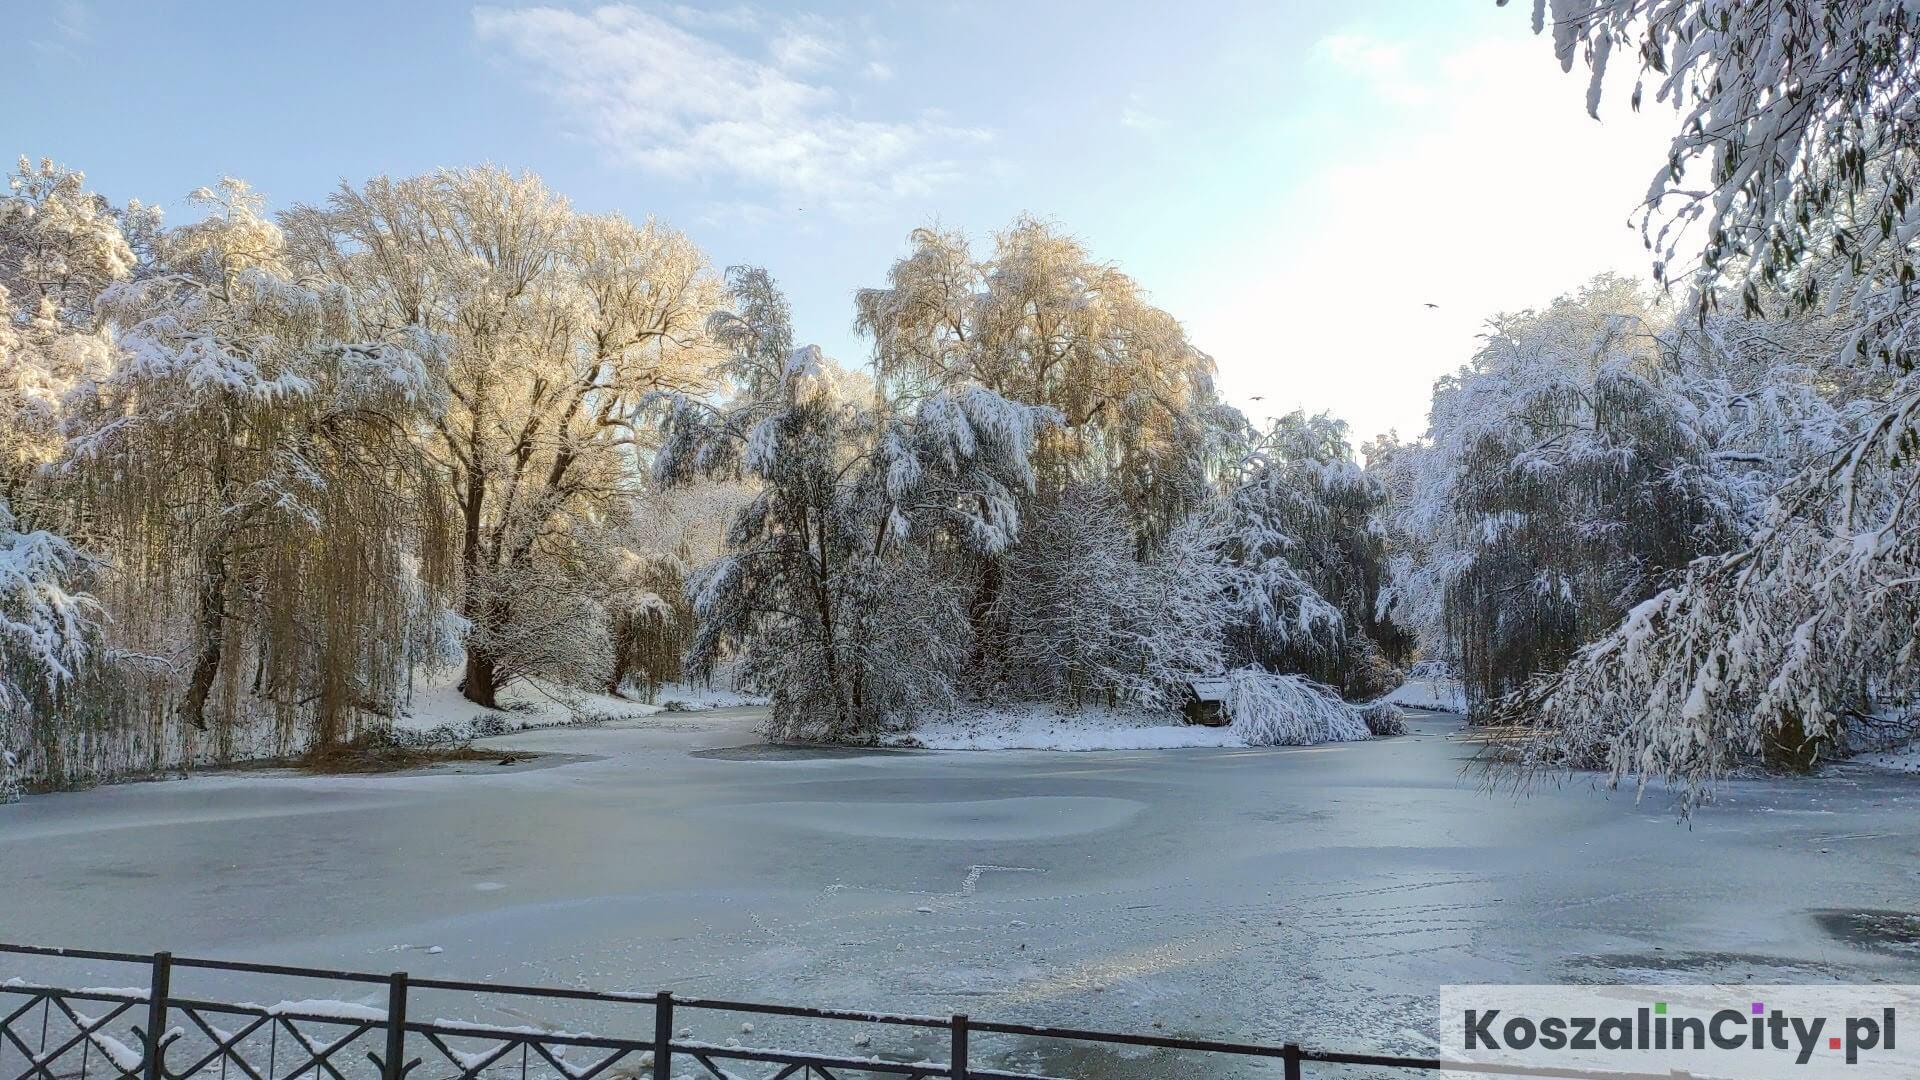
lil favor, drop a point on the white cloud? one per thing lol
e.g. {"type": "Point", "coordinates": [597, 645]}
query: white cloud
{"type": "Point", "coordinates": [738, 17]}
{"type": "Point", "coordinates": [1474, 181]}
{"type": "Point", "coordinates": [1381, 66]}
{"type": "Point", "coordinates": [1134, 114]}
{"type": "Point", "coordinates": [656, 93]}
{"type": "Point", "coordinates": [809, 44]}
{"type": "Point", "coordinates": [73, 23]}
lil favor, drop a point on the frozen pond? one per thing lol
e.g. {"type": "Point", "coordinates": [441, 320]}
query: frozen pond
{"type": "Point", "coordinates": [1318, 893]}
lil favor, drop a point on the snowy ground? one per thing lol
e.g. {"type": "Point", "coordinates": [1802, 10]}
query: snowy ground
{"type": "Point", "coordinates": [1443, 695]}
{"type": "Point", "coordinates": [1320, 893]}
{"type": "Point", "coordinates": [1905, 759]}
{"type": "Point", "coordinates": [439, 710]}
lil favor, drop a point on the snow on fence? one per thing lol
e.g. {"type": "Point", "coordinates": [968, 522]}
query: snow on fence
{"type": "Point", "coordinates": [47, 1031]}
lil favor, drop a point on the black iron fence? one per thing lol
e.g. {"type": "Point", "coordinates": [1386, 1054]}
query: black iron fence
{"type": "Point", "coordinates": [154, 1032]}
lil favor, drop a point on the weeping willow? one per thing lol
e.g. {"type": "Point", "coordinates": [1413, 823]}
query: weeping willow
{"type": "Point", "coordinates": [651, 634]}
{"type": "Point", "coordinates": [1584, 502]}
{"type": "Point", "coordinates": [271, 534]}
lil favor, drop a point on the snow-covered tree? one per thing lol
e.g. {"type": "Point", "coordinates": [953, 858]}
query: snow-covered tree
{"type": "Point", "coordinates": [1567, 474]}
{"type": "Point", "coordinates": [60, 244]}
{"type": "Point", "coordinates": [245, 459]}
{"type": "Point", "coordinates": [668, 534]}
{"type": "Point", "coordinates": [46, 622]}
{"type": "Point", "coordinates": [1088, 620]}
{"type": "Point", "coordinates": [825, 584]}
{"type": "Point", "coordinates": [1792, 170]}
{"type": "Point", "coordinates": [555, 326]}
{"type": "Point", "coordinates": [1039, 321]}
{"type": "Point", "coordinates": [1310, 558]}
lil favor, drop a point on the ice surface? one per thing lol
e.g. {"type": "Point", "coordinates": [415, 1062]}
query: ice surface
{"type": "Point", "coordinates": [1033, 817]}
{"type": "Point", "coordinates": [1319, 893]}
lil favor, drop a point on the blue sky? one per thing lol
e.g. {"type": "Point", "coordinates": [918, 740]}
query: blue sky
{"type": "Point", "coordinates": [1295, 181]}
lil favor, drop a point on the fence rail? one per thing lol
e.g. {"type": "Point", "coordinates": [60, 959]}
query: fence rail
{"type": "Point", "coordinates": [62, 1033]}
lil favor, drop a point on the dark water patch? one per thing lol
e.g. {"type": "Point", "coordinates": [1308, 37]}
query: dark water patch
{"type": "Point", "coordinates": [1879, 931]}
{"type": "Point", "coordinates": [1688, 965]}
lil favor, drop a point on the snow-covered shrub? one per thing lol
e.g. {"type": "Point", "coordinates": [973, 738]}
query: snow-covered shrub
{"type": "Point", "coordinates": [1288, 710]}
{"type": "Point", "coordinates": [1382, 718]}
{"type": "Point", "coordinates": [482, 726]}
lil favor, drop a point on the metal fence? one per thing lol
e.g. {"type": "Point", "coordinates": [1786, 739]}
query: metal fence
{"type": "Point", "coordinates": [152, 1032]}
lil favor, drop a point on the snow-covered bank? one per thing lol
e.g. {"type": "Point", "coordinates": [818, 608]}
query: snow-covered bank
{"type": "Point", "coordinates": [1266, 710]}
{"type": "Point", "coordinates": [1906, 759]}
{"type": "Point", "coordinates": [439, 713]}
{"type": "Point", "coordinates": [1040, 726]}
{"type": "Point", "coordinates": [1438, 694]}
{"type": "Point", "coordinates": [691, 697]}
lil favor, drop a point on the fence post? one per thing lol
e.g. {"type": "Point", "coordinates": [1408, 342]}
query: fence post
{"type": "Point", "coordinates": [959, 1046]}
{"type": "Point", "coordinates": [394, 1067]}
{"type": "Point", "coordinates": [157, 1014]}
{"type": "Point", "coordinates": [663, 1035]}
{"type": "Point", "coordinates": [1292, 1057]}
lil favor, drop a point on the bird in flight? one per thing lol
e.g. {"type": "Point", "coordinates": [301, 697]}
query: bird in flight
{"type": "Point", "coordinates": [1433, 305]}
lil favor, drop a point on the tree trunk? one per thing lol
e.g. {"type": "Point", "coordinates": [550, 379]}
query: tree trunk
{"type": "Point", "coordinates": [478, 684]}
{"type": "Point", "coordinates": [986, 639]}
{"type": "Point", "coordinates": [210, 624]}
{"type": "Point", "coordinates": [625, 630]}
{"type": "Point", "coordinates": [211, 630]}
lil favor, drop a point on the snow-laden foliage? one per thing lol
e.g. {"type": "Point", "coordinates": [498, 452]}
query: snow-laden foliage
{"type": "Point", "coordinates": [826, 584]}
{"type": "Point", "coordinates": [1795, 142]}
{"type": "Point", "coordinates": [1089, 621]}
{"type": "Point", "coordinates": [48, 630]}
{"type": "Point", "coordinates": [1268, 709]}
{"type": "Point", "coordinates": [252, 429]}
{"type": "Point", "coordinates": [1793, 169]}
{"type": "Point", "coordinates": [1590, 450]}
{"type": "Point", "coordinates": [60, 244]}
{"type": "Point", "coordinates": [1040, 322]}
{"type": "Point", "coordinates": [1776, 651]}
{"type": "Point", "coordinates": [1577, 480]}
{"type": "Point", "coordinates": [46, 622]}
{"type": "Point", "coordinates": [550, 328]}
{"type": "Point", "coordinates": [1309, 558]}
